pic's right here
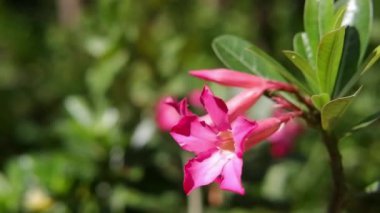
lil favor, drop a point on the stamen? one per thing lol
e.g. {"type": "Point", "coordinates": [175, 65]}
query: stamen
{"type": "Point", "coordinates": [226, 141]}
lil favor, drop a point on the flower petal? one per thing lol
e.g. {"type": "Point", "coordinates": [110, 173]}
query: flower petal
{"type": "Point", "coordinates": [166, 116]}
{"type": "Point", "coordinates": [229, 78]}
{"type": "Point", "coordinates": [193, 135]}
{"type": "Point", "coordinates": [239, 104]}
{"type": "Point", "coordinates": [195, 98]}
{"type": "Point", "coordinates": [230, 178]}
{"type": "Point", "coordinates": [265, 128]}
{"type": "Point", "coordinates": [182, 107]}
{"type": "Point", "coordinates": [241, 130]}
{"type": "Point", "coordinates": [204, 169]}
{"type": "Point", "coordinates": [216, 108]}
{"type": "Point", "coordinates": [269, 126]}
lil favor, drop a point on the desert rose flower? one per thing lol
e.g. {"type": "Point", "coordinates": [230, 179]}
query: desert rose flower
{"type": "Point", "coordinates": [218, 146]}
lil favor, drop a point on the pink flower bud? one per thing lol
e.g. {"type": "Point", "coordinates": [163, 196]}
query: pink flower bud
{"type": "Point", "coordinates": [240, 79]}
{"type": "Point", "coordinates": [229, 78]}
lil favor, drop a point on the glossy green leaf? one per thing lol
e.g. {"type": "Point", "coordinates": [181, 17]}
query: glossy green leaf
{"type": "Point", "coordinates": [338, 16]}
{"type": "Point", "coordinates": [304, 67]}
{"type": "Point", "coordinates": [257, 53]}
{"type": "Point", "coordinates": [359, 14]}
{"type": "Point", "coordinates": [349, 61]}
{"type": "Point", "coordinates": [328, 59]}
{"type": "Point", "coordinates": [320, 100]}
{"type": "Point", "coordinates": [372, 59]}
{"type": "Point", "coordinates": [311, 22]}
{"type": "Point", "coordinates": [333, 110]}
{"type": "Point", "coordinates": [239, 54]}
{"type": "Point", "coordinates": [326, 16]}
{"type": "Point", "coordinates": [301, 45]}
{"type": "Point", "coordinates": [234, 53]}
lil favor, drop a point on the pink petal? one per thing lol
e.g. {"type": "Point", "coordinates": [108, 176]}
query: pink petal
{"type": "Point", "coordinates": [241, 130]}
{"type": "Point", "coordinates": [216, 109]}
{"type": "Point", "coordinates": [193, 135]}
{"type": "Point", "coordinates": [166, 116]}
{"type": "Point", "coordinates": [182, 107]}
{"type": "Point", "coordinates": [230, 178]}
{"type": "Point", "coordinates": [204, 169]}
{"type": "Point", "coordinates": [195, 98]}
{"type": "Point", "coordinates": [239, 104]}
{"type": "Point", "coordinates": [229, 78]}
{"type": "Point", "coordinates": [242, 102]}
{"type": "Point", "coordinates": [265, 128]}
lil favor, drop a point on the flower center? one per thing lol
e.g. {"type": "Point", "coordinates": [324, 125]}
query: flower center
{"type": "Point", "coordinates": [226, 141]}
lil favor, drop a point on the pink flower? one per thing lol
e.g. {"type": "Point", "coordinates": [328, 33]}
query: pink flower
{"type": "Point", "coordinates": [219, 138]}
{"type": "Point", "coordinates": [282, 141]}
{"type": "Point", "coordinates": [218, 146]}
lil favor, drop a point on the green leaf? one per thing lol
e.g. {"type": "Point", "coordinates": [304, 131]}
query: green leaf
{"type": "Point", "coordinates": [366, 122]}
{"type": "Point", "coordinates": [320, 100]}
{"type": "Point", "coordinates": [333, 110]}
{"type": "Point", "coordinates": [372, 59]}
{"type": "Point", "coordinates": [349, 61]}
{"type": "Point", "coordinates": [338, 16]}
{"type": "Point", "coordinates": [233, 52]}
{"type": "Point", "coordinates": [328, 59]}
{"type": "Point", "coordinates": [301, 45]}
{"type": "Point", "coordinates": [239, 54]}
{"type": "Point", "coordinates": [359, 13]}
{"type": "Point", "coordinates": [311, 22]}
{"type": "Point", "coordinates": [326, 16]}
{"type": "Point", "coordinates": [304, 67]}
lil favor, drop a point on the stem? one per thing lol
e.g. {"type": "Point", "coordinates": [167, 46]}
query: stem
{"type": "Point", "coordinates": [194, 202]}
{"type": "Point", "coordinates": [339, 194]}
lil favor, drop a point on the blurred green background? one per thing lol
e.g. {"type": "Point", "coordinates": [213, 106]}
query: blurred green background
{"type": "Point", "coordinates": [79, 81]}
